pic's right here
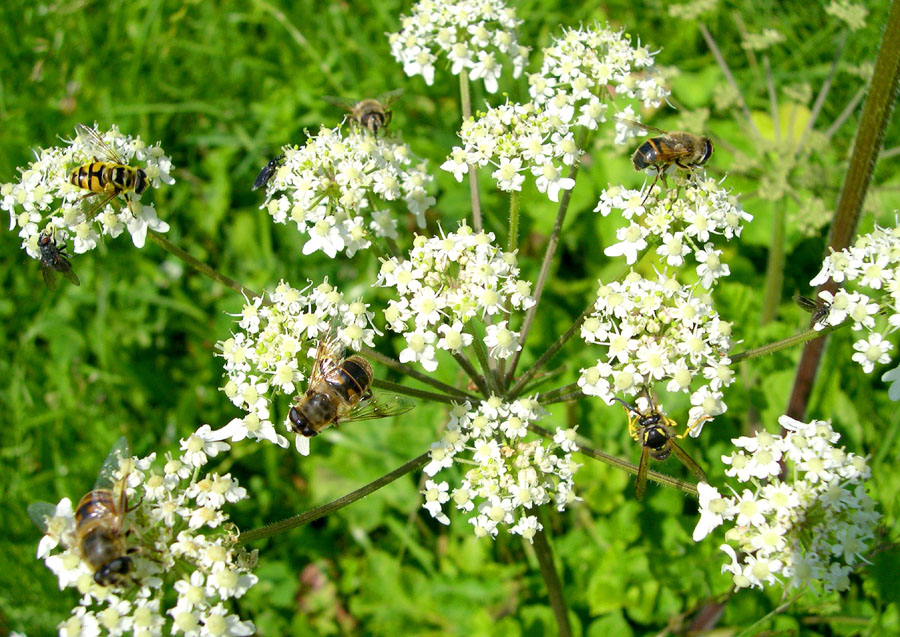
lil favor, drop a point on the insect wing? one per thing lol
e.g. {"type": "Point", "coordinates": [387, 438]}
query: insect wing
{"type": "Point", "coordinates": [121, 450]}
{"type": "Point", "coordinates": [646, 127]}
{"type": "Point", "coordinates": [688, 462]}
{"type": "Point", "coordinates": [386, 99]}
{"type": "Point", "coordinates": [328, 352]}
{"type": "Point", "coordinates": [40, 512]}
{"type": "Point", "coordinates": [640, 486]}
{"type": "Point", "coordinates": [51, 278]}
{"type": "Point", "coordinates": [380, 406]}
{"type": "Point", "coordinates": [806, 303]}
{"type": "Point", "coordinates": [267, 172]}
{"type": "Point", "coordinates": [98, 144]}
{"type": "Point", "coordinates": [65, 268]}
{"type": "Point", "coordinates": [340, 102]}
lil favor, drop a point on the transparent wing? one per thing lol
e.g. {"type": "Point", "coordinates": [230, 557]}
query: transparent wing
{"type": "Point", "coordinates": [386, 99]}
{"type": "Point", "coordinates": [51, 279]}
{"type": "Point", "coordinates": [66, 269]}
{"type": "Point", "coordinates": [328, 351]}
{"type": "Point", "coordinates": [39, 512]}
{"type": "Point", "coordinates": [640, 487]}
{"type": "Point", "coordinates": [101, 148]}
{"type": "Point", "coordinates": [379, 406]}
{"type": "Point", "coordinates": [106, 478]}
{"type": "Point", "coordinates": [806, 303]}
{"type": "Point", "coordinates": [646, 127]}
{"type": "Point", "coordinates": [688, 462]}
{"type": "Point", "coordinates": [267, 172]}
{"type": "Point", "coordinates": [340, 102]}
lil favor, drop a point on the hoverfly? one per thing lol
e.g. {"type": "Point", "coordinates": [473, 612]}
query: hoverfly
{"type": "Point", "coordinates": [818, 309]}
{"type": "Point", "coordinates": [109, 176]}
{"type": "Point", "coordinates": [54, 261]}
{"type": "Point", "coordinates": [267, 172]}
{"type": "Point", "coordinates": [656, 433]}
{"type": "Point", "coordinates": [98, 536]}
{"type": "Point", "coordinates": [682, 149]}
{"type": "Point", "coordinates": [339, 390]}
{"type": "Point", "coordinates": [370, 114]}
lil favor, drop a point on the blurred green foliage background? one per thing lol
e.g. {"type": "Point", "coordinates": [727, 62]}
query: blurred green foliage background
{"type": "Point", "coordinates": [131, 351]}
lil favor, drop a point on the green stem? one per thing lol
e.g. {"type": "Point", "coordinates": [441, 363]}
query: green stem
{"type": "Point", "coordinates": [321, 511]}
{"type": "Point", "coordinates": [551, 581]}
{"type": "Point", "coordinates": [720, 60]}
{"type": "Point", "coordinates": [466, 103]}
{"type": "Point", "coordinates": [774, 267]}
{"type": "Point", "coordinates": [873, 122]}
{"type": "Point", "coordinates": [791, 341]}
{"type": "Point", "coordinates": [548, 259]}
{"type": "Point", "coordinates": [198, 265]}
{"type": "Point", "coordinates": [483, 359]}
{"type": "Point", "coordinates": [473, 374]}
{"type": "Point", "coordinates": [751, 629]}
{"type": "Point", "coordinates": [546, 356]}
{"type": "Point", "coordinates": [419, 376]}
{"type": "Point", "coordinates": [513, 242]}
{"type": "Point", "coordinates": [584, 449]}
{"type": "Point", "coordinates": [410, 391]}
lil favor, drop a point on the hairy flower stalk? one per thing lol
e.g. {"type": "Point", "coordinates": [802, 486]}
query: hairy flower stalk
{"type": "Point", "coordinates": [338, 187]}
{"type": "Point", "coordinates": [811, 526]}
{"type": "Point", "coordinates": [45, 202]}
{"type": "Point", "coordinates": [179, 539]}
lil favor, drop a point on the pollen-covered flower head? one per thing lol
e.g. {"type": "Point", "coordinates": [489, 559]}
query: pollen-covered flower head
{"type": "Point", "coordinates": [98, 199]}
{"type": "Point", "coordinates": [870, 299]}
{"type": "Point", "coordinates": [446, 282]}
{"type": "Point", "coordinates": [517, 139]}
{"type": "Point", "coordinates": [511, 476]}
{"type": "Point", "coordinates": [681, 221]}
{"type": "Point", "coordinates": [175, 535]}
{"type": "Point", "coordinates": [338, 189]}
{"type": "Point", "coordinates": [587, 65]}
{"type": "Point", "coordinates": [476, 36]}
{"type": "Point", "coordinates": [658, 331]}
{"type": "Point", "coordinates": [272, 352]}
{"type": "Point", "coordinates": [811, 526]}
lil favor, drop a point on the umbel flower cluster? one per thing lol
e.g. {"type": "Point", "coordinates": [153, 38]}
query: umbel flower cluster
{"type": "Point", "coordinates": [471, 33]}
{"type": "Point", "coordinates": [813, 524]}
{"type": "Point", "coordinates": [44, 201]}
{"type": "Point", "coordinates": [511, 477]}
{"type": "Point", "coordinates": [329, 184]}
{"type": "Point", "coordinates": [179, 538]}
{"type": "Point", "coordinates": [872, 266]}
{"type": "Point", "coordinates": [587, 65]}
{"type": "Point", "coordinates": [681, 222]}
{"type": "Point", "coordinates": [273, 350]}
{"type": "Point", "coordinates": [446, 282]}
{"type": "Point", "coordinates": [658, 331]}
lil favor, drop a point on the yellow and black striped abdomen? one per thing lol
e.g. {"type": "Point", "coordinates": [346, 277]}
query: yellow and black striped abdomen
{"type": "Point", "coordinates": [646, 155]}
{"type": "Point", "coordinates": [109, 177]}
{"type": "Point", "coordinates": [351, 379]}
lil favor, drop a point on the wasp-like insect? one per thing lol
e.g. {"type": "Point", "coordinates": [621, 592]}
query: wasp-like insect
{"type": "Point", "coordinates": [371, 114]}
{"type": "Point", "coordinates": [656, 433]}
{"type": "Point", "coordinates": [682, 149]}
{"type": "Point", "coordinates": [108, 175]}
{"type": "Point", "coordinates": [268, 171]}
{"type": "Point", "coordinates": [54, 261]}
{"type": "Point", "coordinates": [98, 536]}
{"type": "Point", "coordinates": [818, 309]}
{"type": "Point", "coordinates": [339, 391]}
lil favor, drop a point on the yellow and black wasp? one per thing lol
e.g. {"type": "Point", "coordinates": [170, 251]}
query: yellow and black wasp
{"type": "Point", "coordinates": [656, 433]}
{"type": "Point", "coordinates": [107, 175]}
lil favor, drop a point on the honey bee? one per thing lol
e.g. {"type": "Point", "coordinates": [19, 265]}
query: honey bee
{"type": "Point", "coordinates": [818, 309]}
{"type": "Point", "coordinates": [109, 176]}
{"type": "Point", "coordinates": [339, 390]}
{"type": "Point", "coordinates": [267, 172]}
{"type": "Point", "coordinates": [98, 535]}
{"type": "Point", "coordinates": [682, 149]}
{"type": "Point", "coordinates": [54, 261]}
{"type": "Point", "coordinates": [371, 114]}
{"type": "Point", "coordinates": [656, 433]}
